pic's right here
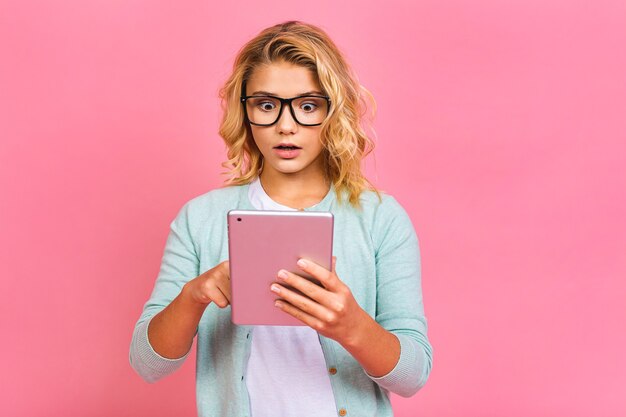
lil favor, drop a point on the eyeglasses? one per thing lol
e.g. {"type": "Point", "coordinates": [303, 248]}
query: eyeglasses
{"type": "Point", "coordinates": [265, 110]}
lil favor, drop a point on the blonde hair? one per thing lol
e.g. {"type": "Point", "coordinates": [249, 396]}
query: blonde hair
{"type": "Point", "coordinates": [343, 138]}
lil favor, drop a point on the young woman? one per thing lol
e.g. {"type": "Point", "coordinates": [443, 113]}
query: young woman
{"type": "Point", "coordinates": [292, 124]}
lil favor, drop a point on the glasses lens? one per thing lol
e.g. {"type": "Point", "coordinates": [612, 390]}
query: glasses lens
{"type": "Point", "coordinates": [309, 110]}
{"type": "Point", "coordinates": [262, 110]}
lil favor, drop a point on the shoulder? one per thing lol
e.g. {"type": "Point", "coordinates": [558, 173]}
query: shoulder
{"type": "Point", "coordinates": [380, 207]}
{"type": "Point", "coordinates": [386, 217]}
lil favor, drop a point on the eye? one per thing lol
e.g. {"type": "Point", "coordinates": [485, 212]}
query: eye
{"type": "Point", "coordinates": [262, 104]}
{"type": "Point", "coordinates": [266, 105]}
{"type": "Point", "coordinates": [308, 107]}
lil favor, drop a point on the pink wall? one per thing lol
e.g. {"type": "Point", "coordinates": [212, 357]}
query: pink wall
{"type": "Point", "coordinates": [501, 130]}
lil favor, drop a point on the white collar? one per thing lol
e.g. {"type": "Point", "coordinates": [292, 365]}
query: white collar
{"type": "Point", "coordinates": [261, 201]}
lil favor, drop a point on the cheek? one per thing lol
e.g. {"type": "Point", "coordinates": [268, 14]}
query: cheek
{"type": "Point", "coordinates": [317, 140]}
{"type": "Point", "coordinates": [259, 138]}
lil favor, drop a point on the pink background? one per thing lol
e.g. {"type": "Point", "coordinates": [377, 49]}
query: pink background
{"type": "Point", "coordinates": [502, 129]}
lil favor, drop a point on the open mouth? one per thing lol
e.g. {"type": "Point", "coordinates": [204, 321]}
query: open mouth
{"type": "Point", "coordinates": [287, 147]}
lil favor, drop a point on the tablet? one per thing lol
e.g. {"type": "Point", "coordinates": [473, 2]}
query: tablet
{"type": "Point", "coordinates": [260, 243]}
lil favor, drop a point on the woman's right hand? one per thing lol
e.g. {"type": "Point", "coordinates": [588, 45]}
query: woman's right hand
{"type": "Point", "coordinates": [211, 286]}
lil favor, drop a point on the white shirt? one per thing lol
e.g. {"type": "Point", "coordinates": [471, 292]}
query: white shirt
{"type": "Point", "coordinates": [286, 374]}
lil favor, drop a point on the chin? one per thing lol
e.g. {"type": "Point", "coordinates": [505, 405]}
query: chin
{"type": "Point", "coordinates": [288, 167]}
{"type": "Point", "coordinates": [289, 170]}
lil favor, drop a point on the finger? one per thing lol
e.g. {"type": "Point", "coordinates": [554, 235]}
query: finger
{"type": "Point", "coordinates": [224, 287]}
{"type": "Point", "coordinates": [308, 288]}
{"type": "Point", "coordinates": [218, 297]}
{"type": "Point", "coordinates": [333, 268]}
{"type": "Point", "coordinates": [304, 317]}
{"type": "Point", "coordinates": [328, 279]}
{"type": "Point", "coordinates": [332, 302]}
{"type": "Point", "coordinates": [222, 280]}
{"type": "Point", "coordinates": [300, 301]}
{"type": "Point", "coordinates": [215, 294]}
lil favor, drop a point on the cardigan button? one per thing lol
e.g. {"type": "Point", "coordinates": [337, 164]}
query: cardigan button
{"type": "Point", "coordinates": [342, 412]}
{"type": "Point", "coordinates": [332, 370]}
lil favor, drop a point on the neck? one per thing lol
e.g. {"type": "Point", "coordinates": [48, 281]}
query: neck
{"type": "Point", "coordinates": [297, 190]}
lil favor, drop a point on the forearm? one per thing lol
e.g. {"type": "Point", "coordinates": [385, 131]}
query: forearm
{"type": "Point", "coordinates": [172, 330]}
{"type": "Point", "coordinates": [376, 349]}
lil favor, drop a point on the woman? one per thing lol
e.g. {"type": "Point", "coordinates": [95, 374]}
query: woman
{"type": "Point", "coordinates": [292, 125]}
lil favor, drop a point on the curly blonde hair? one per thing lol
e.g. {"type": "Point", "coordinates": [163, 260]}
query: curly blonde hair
{"type": "Point", "coordinates": [343, 138]}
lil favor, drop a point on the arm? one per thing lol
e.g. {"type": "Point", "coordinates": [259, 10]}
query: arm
{"type": "Point", "coordinates": [392, 348]}
{"type": "Point", "coordinates": [164, 333]}
{"type": "Point", "coordinates": [333, 312]}
{"type": "Point", "coordinates": [400, 308]}
{"type": "Point", "coordinates": [171, 331]}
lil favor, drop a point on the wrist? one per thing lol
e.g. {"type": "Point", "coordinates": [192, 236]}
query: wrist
{"type": "Point", "coordinates": [361, 332]}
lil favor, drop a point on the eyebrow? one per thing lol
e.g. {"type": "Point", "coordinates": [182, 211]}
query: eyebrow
{"type": "Point", "coordinates": [266, 93]}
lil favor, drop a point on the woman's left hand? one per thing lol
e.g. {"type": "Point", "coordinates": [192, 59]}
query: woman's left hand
{"type": "Point", "coordinates": [331, 309]}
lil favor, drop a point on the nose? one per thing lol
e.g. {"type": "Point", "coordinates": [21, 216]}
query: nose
{"type": "Point", "coordinates": [286, 122]}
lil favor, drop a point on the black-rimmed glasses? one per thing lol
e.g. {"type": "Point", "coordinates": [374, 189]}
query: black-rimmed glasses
{"type": "Point", "coordinates": [306, 110]}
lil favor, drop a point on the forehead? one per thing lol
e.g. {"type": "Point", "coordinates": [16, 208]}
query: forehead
{"type": "Point", "coordinates": [282, 79]}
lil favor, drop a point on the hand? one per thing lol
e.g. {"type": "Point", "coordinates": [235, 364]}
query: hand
{"type": "Point", "coordinates": [330, 309]}
{"type": "Point", "coordinates": [211, 286]}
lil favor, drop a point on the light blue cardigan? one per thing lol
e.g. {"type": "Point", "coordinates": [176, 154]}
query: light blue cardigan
{"type": "Point", "coordinates": [378, 258]}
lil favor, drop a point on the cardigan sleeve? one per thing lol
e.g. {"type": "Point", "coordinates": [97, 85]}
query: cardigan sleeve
{"type": "Point", "coordinates": [179, 264]}
{"type": "Point", "coordinates": [399, 303]}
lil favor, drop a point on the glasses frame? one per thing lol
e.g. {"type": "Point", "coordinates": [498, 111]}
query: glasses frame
{"type": "Point", "coordinates": [283, 101]}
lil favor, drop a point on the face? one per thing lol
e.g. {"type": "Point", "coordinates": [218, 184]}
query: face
{"type": "Point", "coordinates": [287, 147]}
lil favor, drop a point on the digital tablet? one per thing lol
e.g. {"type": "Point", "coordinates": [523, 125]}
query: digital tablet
{"type": "Point", "coordinates": [262, 242]}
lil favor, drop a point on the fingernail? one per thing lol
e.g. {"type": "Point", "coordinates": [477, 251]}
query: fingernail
{"type": "Point", "coordinates": [302, 263]}
{"type": "Point", "coordinates": [282, 274]}
{"type": "Point", "coordinates": [275, 288]}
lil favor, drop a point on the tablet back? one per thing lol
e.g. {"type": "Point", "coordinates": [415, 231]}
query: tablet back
{"type": "Point", "coordinates": [260, 243]}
